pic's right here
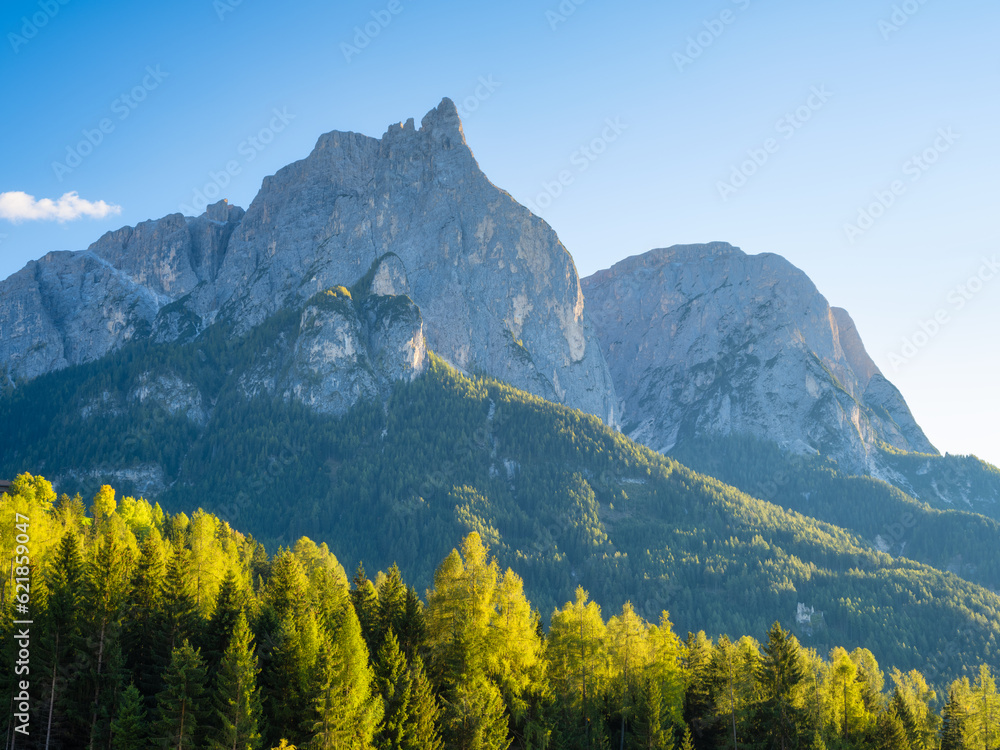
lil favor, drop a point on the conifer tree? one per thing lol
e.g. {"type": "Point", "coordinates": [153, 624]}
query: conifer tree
{"type": "Point", "coordinates": [106, 587]}
{"type": "Point", "coordinates": [229, 605]}
{"type": "Point", "coordinates": [391, 607]}
{"type": "Point", "coordinates": [780, 674]}
{"type": "Point", "coordinates": [475, 716]}
{"type": "Point", "coordinates": [890, 734]}
{"type": "Point", "coordinates": [128, 730]}
{"type": "Point", "coordinates": [144, 598]}
{"type": "Point", "coordinates": [954, 719]}
{"type": "Point", "coordinates": [62, 623]}
{"type": "Point", "coordinates": [392, 681]}
{"type": "Point", "coordinates": [651, 719]}
{"type": "Point", "coordinates": [178, 619]}
{"type": "Point", "coordinates": [366, 605]}
{"type": "Point", "coordinates": [347, 710]}
{"type": "Point", "coordinates": [687, 742]}
{"type": "Point", "coordinates": [984, 723]}
{"type": "Point", "coordinates": [422, 731]}
{"type": "Point", "coordinates": [577, 664]}
{"type": "Point", "coordinates": [237, 697]}
{"type": "Point", "coordinates": [179, 704]}
{"type": "Point", "coordinates": [104, 504]}
{"type": "Point", "coordinates": [288, 587]}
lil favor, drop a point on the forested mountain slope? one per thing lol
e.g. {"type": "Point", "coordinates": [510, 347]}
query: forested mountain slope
{"type": "Point", "coordinates": [559, 496]}
{"type": "Point", "coordinates": [151, 629]}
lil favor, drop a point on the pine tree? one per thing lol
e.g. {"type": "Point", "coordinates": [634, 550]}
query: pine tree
{"type": "Point", "coordinates": [422, 731]}
{"type": "Point", "coordinates": [779, 675]}
{"type": "Point", "coordinates": [391, 606]}
{"type": "Point", "coordinates": [128, 730]}
{"type": "Point", "coordinates": [687, 743]}
{"type": "Point", "coordinates": [412, 629]}
{"type": "Point", "coordinates": [366, 606]}
{"type": "Point", "coordinates": [229, 604]}
{"type": "Point", "coordinates": [392, 680]}
{"type": "Point", "coordinates": [890, 734]}
{"type": "Point", "coordinates": [105, 592]}
{"type": "Point", "coordinates": [699, 706]}
{"type": "Point", "coordinates": [476, 717]}
{"type": "Point", "coordinates": [179, 703]}
{"type": "Point", "coordinates": [62, 623]}
{"type": "Point", "coordinates": [347, 713]}
{"type": "Point", "coordinates": [651, 719]}
{"type": "Point", "coordinates": [284, 683]}
{"type": "Point", "coordinates": [288, 587]}
{"type": "Point", "coordinates": [178, 619]}
{"type": "Point", "coordinates": [237, 697]}
{"type": "Point", "coordinates": [953, 724]}
{"type": "Point", "coordinates": [145, 594]}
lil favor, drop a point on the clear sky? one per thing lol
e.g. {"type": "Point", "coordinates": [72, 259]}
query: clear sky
{"type": "Point", "coordinates": [769, 125]}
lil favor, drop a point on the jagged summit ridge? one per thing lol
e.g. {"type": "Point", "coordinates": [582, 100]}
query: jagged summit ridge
{"type": "Point", "coordinates": [705, 339]}
{"type": "Point", "coordinates": [497, 292]}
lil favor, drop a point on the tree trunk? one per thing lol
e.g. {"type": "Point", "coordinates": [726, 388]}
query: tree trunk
{"type": "Point", "coordinates": [97, 686]}
{"type": "Point", "coordinates": [52, 693]}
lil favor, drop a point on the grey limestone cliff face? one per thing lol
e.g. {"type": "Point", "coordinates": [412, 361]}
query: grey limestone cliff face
{"type": "Point", "coordinates": [497, 291]}
{"type": "Point", "coordinates": [349, 351]}
{"type": "Point", "coordinates": [704, 339]}
{"type": "Point", "coordinates": [72, 307]}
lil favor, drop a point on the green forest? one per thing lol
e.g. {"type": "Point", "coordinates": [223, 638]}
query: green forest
{"type": "Point", "coordinates": [559, 497]}
{"type": "Point", "coordinates": [156, 629]}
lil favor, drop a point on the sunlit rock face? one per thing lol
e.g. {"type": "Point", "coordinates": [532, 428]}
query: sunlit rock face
{"type": "Point", "coordinates": [497, 292]}
{"type": "Point", "coordinates": [705, 339]}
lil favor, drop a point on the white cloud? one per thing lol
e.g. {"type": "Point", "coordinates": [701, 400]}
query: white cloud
{"type": "Point", "coordinates": [18, 206]}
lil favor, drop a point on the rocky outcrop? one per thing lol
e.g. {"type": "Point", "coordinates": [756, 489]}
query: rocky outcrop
{"type": "Point", "coordinates": [497, 292]}
{"type": "Point", "coordinates": [704, 339]}
{"type": "Point", "coordinates": [73, 307]}
{"type": "Point", "coordinates": [351, 350]}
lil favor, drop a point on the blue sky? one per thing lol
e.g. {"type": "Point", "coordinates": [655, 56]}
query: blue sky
{"type": "Point", "coordinates": [771, 125]}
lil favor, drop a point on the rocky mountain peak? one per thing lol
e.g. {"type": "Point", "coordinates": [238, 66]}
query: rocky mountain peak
{"type": "Point", "coordinates": [496, 290]}
{"type": "Point", "coordinates": [705, 339]}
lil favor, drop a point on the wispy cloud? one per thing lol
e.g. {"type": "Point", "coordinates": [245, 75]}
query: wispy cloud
{"type": "Point", "coordinates": [18, 206]}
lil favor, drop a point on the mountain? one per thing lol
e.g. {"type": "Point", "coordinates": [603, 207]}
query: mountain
{"type": "Point", "coordinates": [707, 340]}
{"type": "Point", "coordinates": [497, 292]}
{"type": "Point", "coordinates": [559, 496]}
{"type": "Point", "coordinates": [385, 352]}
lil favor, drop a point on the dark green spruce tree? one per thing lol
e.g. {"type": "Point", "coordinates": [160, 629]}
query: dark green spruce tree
{"type": "Point", "coordinates": [237, 697]}
{"type": "Point", "coordinates": [778, 721]}
{"type": "Point", "coordinates": [129, 729]}
{"type": "Point", "coordinates": [392, 681]}
{"type": "Point", "coordinates": [179, 704]}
